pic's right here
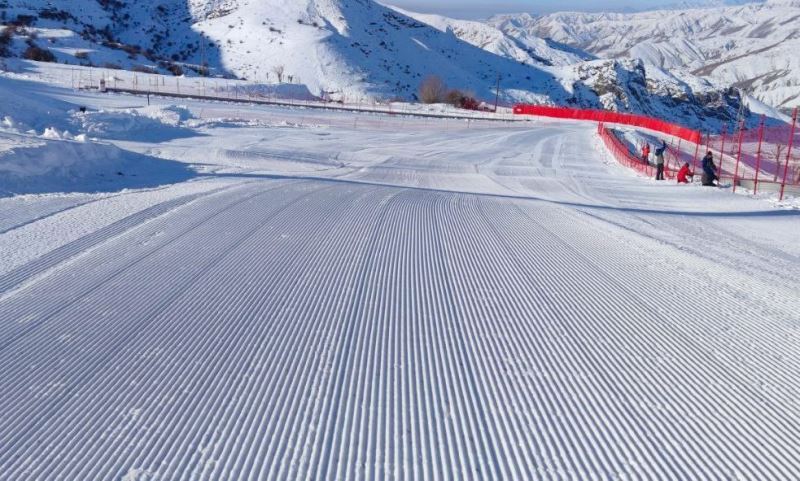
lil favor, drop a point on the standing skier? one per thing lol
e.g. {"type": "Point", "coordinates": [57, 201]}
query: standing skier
{"type": "Point", "coordinates": [646, 153]}
{"type": "Point", "coordinates": [660, 160]}
{"type": "Point", "coordinates": [709, 170]}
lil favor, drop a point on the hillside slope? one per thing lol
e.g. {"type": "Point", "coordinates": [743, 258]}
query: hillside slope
{"type": "Point", "coordinates": [356, 50]}
{"type": "Point", "coordinates": [751, 46]}
{"type": "Point", "coordinates": [522, 48]}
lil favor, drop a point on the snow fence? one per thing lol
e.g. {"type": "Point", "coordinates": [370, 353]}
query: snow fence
{"type": "Point", "coordinates": [765, 158]}
{"type": "Point", "coordinates": [624, 156]}
{"type": "Point", "coordinates": [608, 117]}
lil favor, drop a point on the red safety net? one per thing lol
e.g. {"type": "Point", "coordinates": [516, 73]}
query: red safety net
{"type": "Point", "coordinates": [626, 157]}
{"type": "Point", "coordinates": [759, 157]}
{"type": "Point", "coordinates": [611, 118]}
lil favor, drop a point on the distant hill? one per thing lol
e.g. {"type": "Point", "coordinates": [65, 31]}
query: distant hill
{"type": "Point", "coordinates": [753, 46]}
{"type": "Point", "coordinates": [353, 49]}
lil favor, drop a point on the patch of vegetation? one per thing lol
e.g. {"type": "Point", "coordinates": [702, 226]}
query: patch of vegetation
{"type": "Point", "coordinates": [6, 38]}
{"type": "Point", "coordinates": [38, 54]}
{"type": "Point", "coordinates": [55, 14]}
{"type": "Point", "coordinates": [144, 69]}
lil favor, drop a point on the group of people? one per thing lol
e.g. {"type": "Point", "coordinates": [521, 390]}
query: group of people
{"type": "Point", "coordinates": [709, 177]}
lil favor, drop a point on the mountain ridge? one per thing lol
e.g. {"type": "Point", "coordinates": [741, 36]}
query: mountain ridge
{"type": "Point", "coordinates": [359, 50]}
{"type": "Point", "coordinates": [752, 46]}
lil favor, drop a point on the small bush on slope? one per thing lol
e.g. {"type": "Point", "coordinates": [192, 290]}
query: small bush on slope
{"type": "Point", "coordinates": [432, 90]}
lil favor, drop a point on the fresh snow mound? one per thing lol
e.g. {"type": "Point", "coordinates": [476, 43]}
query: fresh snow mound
{"type": "Point", "coordinates": [51, 164]}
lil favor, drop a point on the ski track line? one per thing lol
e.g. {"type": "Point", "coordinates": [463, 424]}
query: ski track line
{"type": "Point", "coordinates": [70, 204]}
{"type": "Point", "coordinates": [212, 408]}
{"type": "Point", "coordinates": [103, 267]}
{"type": "Point", "coordinates": [191, 277]}
{"type": "Point", "coordinates": [742, 416]}
{"type": "Point", "coordinates": [55, 206]}
{"type": "Point", "coordinates": [312, 329]}
{"type": "Point", "coordinates": [17, 276]}
{"type": "Point", "coordinates": [767, 325]}
{"type": "Point", "coordinates": [94, 285]}
{"type": "Point", "coordinates": [561, 402]}
{"type": "Point", "coordinates": [449, 349]}
{"type": "Point", "coordinates": [737, 252]}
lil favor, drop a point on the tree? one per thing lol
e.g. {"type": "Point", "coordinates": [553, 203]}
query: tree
{"type": "Point", "coordinates": [278, 71]}
{"type": "Point", "coordinates": [432, 90]}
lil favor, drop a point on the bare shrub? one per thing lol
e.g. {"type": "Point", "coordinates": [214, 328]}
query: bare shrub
{"type": "Point", "coordinates": [175, 69]}
{"type": "Point", "coordinates": [432, 90]}
{"type": "Point", "coordinates": [34, 52]}
{"type": "Point", "coordinates": [462, 99]}
{"type": "Point", "coordinates": [6, 37]}
{"type": "Point", "coordinates": [278, 71]}
{"type": "Point", "coordinates": [453, 97]}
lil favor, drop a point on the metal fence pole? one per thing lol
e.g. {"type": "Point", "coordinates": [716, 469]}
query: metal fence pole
{"type": "Point", "coordinates": [758, 154]}
{"type": "Point", "coordinates": [722, 149]}
{"type": "Point", "coordinates": [789, 153]}
{"type": "Point", "coordinates": [738, 154]}
{"type": "Point", "coordinates": [697, 152]}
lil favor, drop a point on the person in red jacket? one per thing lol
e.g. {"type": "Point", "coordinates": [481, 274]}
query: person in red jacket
{"type": "Point", "coordinates": [684, 174]}
{"type": "Point", "coordinates": [646, 153]}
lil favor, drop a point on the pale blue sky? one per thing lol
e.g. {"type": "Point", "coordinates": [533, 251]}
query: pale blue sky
{"type": "Point", "coordinates": [483, 8]}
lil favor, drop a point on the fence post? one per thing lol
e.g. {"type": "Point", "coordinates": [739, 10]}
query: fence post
{"type": "Point", "coordinates": [758, 153]}
{"type": "Point", "coordinates": [738, 154]}
{"type": "Point", "coordinates": [679, 158]}
{"type": "Point", "coordinates": [788, 153]}
{"type": "Point", "coordinates": [697, 152]}
{"type": "Point", "coordinates": [722, 150]}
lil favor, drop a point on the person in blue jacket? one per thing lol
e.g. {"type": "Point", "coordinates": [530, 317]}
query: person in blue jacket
{"type": "Point", "coordinates": [660, 160]}
{"type": "Point", "coordinates": [709, 170]}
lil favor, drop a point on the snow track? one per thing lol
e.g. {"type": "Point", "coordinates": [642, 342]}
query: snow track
{"type": "Point", "coordinates": [489, 326]}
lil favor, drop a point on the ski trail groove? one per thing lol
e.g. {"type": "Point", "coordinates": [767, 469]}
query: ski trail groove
{"type": "Point", "coordinates": [398, 325]}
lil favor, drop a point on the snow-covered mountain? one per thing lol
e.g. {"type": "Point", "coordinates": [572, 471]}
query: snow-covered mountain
{"type": "Point", "coordinates": [616, 85]}
{"type": "Point", "coordinates": [753, 46]}
{"type": "Point", "coordinates": [350, 48]}
{"type": "Point", "coordinates": [688, 4]}
{"type": "Point", "coordinates": [522, 48]}
{"type": "Point", "coordinates": [353, 49]}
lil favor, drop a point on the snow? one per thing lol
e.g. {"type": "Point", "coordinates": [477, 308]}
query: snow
{"type": "Point", "coordinates": [751, 46]}
{"type": "Point", "coordinates": [357, 51]}
{"type": "Point", "coordinates": [522, 48]}
{"type": "Point", "coordinates": [339, 295]}
{"type": "Point", "coordinates": [48, 145]}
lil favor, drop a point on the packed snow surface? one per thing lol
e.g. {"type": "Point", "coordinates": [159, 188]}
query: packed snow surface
{"type": "Point", "coordinates": [355, 296]}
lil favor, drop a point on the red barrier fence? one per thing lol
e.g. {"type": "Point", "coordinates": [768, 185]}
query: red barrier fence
{"type": "Point", "coordinates": [765, 158]}
{"type": "Point", "coordinates": [624, 156]}
{"type": "Point", "coordinates": [760, 158]}
{"type": "Point", "coordinates": [611, 118]}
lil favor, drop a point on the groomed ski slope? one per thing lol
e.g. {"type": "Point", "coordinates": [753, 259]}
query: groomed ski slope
{"type": "Point", "coordinates": [428, 302]}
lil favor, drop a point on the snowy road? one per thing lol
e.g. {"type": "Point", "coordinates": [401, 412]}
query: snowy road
{"type": "Point", "coordinates": [494, 303]}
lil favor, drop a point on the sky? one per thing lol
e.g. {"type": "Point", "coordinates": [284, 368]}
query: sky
{"type": "Point", "coordinates": [476, 9]}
